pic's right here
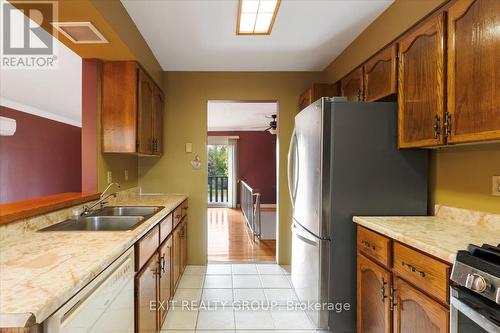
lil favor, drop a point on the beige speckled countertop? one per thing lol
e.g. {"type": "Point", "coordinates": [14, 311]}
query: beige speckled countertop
{"type": "Point", "coordinates": [40, 271]}
{"type": "Point", "coordinates": [442, 235]}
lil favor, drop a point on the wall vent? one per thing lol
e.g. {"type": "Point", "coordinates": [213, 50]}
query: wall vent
{"type": "Point", "coordinates": [80, 32]}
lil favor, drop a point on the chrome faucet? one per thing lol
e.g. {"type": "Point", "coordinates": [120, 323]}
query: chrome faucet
{"type": "Point", "coordinates": [88, 209]}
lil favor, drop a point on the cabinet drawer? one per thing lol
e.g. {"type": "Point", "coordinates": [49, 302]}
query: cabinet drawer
{"type": "Point", "coordinates": [177, 216]}
{"type": "Point", "coordinates": [374, 246]}
{"type": "Point", "coordinates": [184, 208]}
{"type": "Point", "coordinates": [146, 246]}
{"type": "Point", "coordinates": [424, 272]}
{"type": "Point", "coordinates": [166, 227]}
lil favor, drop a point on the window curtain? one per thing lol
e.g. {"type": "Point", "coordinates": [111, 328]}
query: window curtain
{"type": "Point", "coordinates": [232, 161]}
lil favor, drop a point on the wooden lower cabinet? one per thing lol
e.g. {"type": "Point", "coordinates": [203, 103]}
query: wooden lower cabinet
{"type": "Point", "coordinates": [176, 256]}
{"type": "Point", "coordinates": [414, 312]}
{"type": "Point", "coordinates": [165, 284]}
{"type": "Point", "coordinates": [183, 239]}
{"type": "Point", "coordinates": [146, 286]}
{"type": "Point", "coordinates": [373, 303]}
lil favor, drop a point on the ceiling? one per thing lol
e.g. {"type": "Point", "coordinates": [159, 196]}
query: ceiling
{"type": "Point", "coordinates": [240, 116]}
{"type": "Point", "coordinates": [200, 35]}
{"type": "Point", "coordinates": [49, 93]}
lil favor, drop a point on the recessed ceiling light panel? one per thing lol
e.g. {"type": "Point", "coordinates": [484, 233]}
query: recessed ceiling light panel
{"type": "Point", "coordinates": [256, 17]}
{"type": "Point", "coordinates": [80, 32]}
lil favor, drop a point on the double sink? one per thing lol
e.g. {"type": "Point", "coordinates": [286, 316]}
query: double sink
{"type": "Point", "coordinates": [117, 218]}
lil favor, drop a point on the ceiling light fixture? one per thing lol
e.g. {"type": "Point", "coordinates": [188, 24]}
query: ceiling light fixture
{"type": "Point", "coordinates": [256, 17]}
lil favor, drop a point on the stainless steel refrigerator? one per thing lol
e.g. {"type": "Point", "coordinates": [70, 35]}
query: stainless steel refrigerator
{"type": "Point", "coordinates": [344, 161]}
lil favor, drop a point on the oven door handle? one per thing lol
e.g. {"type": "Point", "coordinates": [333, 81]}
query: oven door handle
{"type": "Point", "coordinates": [457, 306]}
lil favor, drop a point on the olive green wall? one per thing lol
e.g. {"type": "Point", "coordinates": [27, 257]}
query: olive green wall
{"type": "Point", "coordinates": [187, 94]}
{"type": "Point", "coordinates": [460, 176]}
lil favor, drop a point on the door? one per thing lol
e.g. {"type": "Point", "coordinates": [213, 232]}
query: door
{"type": "Point", "coordinates": [474, 71]}
{"type": "Point", "coordinates": [305, 178]}
{"type": "Point", "coordinates": [310, 272]}
{"type": "Point", "coordinates": [373, 303]}
{"type": "Point", "coordinates": [176, 255]}
{"type": "Point", "coordinates": [158, 105]}
{"type": "Point", "coordinates": [146, 284]}
{"type": "Point", "coordinates": [352, 85]}
{"type": "Point", "coordinates": [183, 240]}
{"type": "Point", "coordinates": [380, 74]}
{"type": "Point", "coordinates": [415, 312]}
{"type": "Point", "coordinates": [421, 85]}
{"type": "Point", "coordinates": [165, 286]}
{"type": "Point", "coordinates": [145, 114]}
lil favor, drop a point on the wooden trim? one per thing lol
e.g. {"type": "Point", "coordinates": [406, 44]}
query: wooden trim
{"type": "Point", "coordinates": [238, 33]}
{"type": "Point", "coordinates": [17, 210]}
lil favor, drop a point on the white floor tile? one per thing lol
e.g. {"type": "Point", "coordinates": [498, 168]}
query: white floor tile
{"type": "Point", "coordinates": [220, 331]}
{"type": "Point", "coordinates": [218, 269]}
{"type": "Point", "coordinates": [180, 320]}
{"type": "Point", "coordinates": [275, 281]}
{"type": "Point", "coordinates": [288, 320]}
{"type": "Point", "coordinates": [246, 281]}
{"type": "Point", "coordinates": [218, 296]}
{"type": "Point", "coordinates": [191, 281]}
{"type": "Point", "coordinates": [255, 320]}
{"type": "Point", "coordinates": [195, 270]}
{"type": "Point", "coordinates": [270, 269]}
{"type": "Point", "coordinates": [217, 319]}
{"type": "Point", "coordinates": [188, 295]}
{"type": "Point", "coordinates": [288, 269]}
{"type": "Point", "coordinates": [280, 296]}
{"type": "Point", "coordinates": [244, 269]}
{"type": "Point", "coordinates": [218, 281]}
{"type": "Point", "coordinates": [241, 295]}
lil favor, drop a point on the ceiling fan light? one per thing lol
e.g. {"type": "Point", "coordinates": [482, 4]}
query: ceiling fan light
{"type": "Point", "coordinates": [272, 131]}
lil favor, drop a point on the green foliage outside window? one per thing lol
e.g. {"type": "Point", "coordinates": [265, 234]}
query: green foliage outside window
{"type": "Point", "coordinates": [217, 161]}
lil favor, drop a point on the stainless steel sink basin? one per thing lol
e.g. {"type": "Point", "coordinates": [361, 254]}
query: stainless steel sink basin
{"type": "Point", "coordinates": [128, 211]}
{"type": "Point", "coordinates": [98, 223]}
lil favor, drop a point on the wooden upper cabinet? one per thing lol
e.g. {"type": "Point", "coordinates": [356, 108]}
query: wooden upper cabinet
{"type": "Point", "coordinates": [352, 85]}
{"type": "Point", "coordinates": [158, 107]}
{"type": "Point", "coordinates": [421, 85]}
{"type": "Point", "coordinates": [131, 116]}
{"type": "Point", "coordinates": [414, 312]}
{"type": "Point", "coordinates": [474, 70]}
{"type": "Point", "coordinates": [380, 74]}
{"type": "Point", "coordinates": [317, 91]}
{"type": "Point", "coordinates": [373, 302]}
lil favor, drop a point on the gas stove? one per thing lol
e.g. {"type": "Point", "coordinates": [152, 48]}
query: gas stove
{"type": "Point", "coordinates": [475, 300]}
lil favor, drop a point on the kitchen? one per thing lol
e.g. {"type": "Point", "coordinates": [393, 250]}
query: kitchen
{"type": "Point", "coordinates": [396, 39]}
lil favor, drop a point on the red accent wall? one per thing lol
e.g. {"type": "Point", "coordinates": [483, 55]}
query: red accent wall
{"type": "Point", "coordinates": [90, 70]}
{"type": "Point", "coordinates": [256, 161]}
{"type": "Point", "coordinates": [43, 157]}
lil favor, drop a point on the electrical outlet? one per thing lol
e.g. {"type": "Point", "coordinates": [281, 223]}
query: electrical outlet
{"type": "Point", "coordinates": [496, 186]}
{"type": "Point", "coordinates": [109, 176]}
{"type": "Point", "coordinates": [125, 176]}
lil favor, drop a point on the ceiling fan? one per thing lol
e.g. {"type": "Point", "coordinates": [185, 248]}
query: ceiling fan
{"type": "Point", "coordinates": [273, 124]}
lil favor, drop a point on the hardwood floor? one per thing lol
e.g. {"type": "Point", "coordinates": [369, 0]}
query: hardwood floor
{"type": "Point", "coordinates": [230, 240]}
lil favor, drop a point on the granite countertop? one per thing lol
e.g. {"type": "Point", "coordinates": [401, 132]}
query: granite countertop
{"type": "Point", "coordinates": [40, 271]}
{"type": "Point", "coordinates": [441, 235]}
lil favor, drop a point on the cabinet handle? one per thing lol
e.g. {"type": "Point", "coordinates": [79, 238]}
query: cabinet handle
{"type": "Point", "coordinates": [392, 298]}
{"type": "Point", "coordinates": [447, 124]}
{"type": "Point", "coordinates": [437, 121]}
{"type": "Point", "coordinates": [359, 94]}
{"type": "Point", "coordinates": [162, 263]}
{"type": "Point", "coordinates": [368, 245]}
{"type": "Point", "coordinates": [382, 290]}
{"type": "Point", "coordinates": [413, 269]}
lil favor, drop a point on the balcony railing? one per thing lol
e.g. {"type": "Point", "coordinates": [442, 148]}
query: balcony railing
{"type": "Point", "coordinates": [250, 205]}
{"type": "Point", "coordinates": [217, 190]}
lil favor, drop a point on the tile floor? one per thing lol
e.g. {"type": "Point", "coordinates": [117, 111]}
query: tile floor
{"type": "Point", "coordinates": [235, 298]}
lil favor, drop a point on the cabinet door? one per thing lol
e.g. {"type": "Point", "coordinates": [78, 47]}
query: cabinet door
{"type": "Point", "coordinates": [146, 284]}
{"type": "Point", "coordinates": [373, 303]}
{"type": "Point", "coordinates": [305, 99]}
{"type": "Point", "coordinates": [145, 114]}
{"type": "Point", "coordinates": [414, 312]}
{"type": "Point", "coordinates": [380, 74]}
{"type": "Point", "coordinates": [165, 286]}
{"type": "Point", "coordinates": [158, 106]}
{"type": "Point", "coordinates": [474, 70]}
{"type": "Point", "coordinates": [183, 236]}
{"type": "Point", "coordinates": [352, 85]}
{"type": "Point", "coordinates": [176, 256]}
{"type": "Point", "coordinates": [421, 85]}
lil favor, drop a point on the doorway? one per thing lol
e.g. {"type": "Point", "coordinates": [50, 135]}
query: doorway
{"type": "Point", "coordinates": [242, 181]}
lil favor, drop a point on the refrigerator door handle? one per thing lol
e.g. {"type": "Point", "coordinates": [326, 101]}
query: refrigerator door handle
{"type": "Point", "coordinates": [291, 178]}
{"type": "Point", "coordinates": [304, 235]}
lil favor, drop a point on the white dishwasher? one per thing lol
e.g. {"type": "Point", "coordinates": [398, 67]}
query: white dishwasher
{"type": "Point", "coordinates": [105, 305]}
